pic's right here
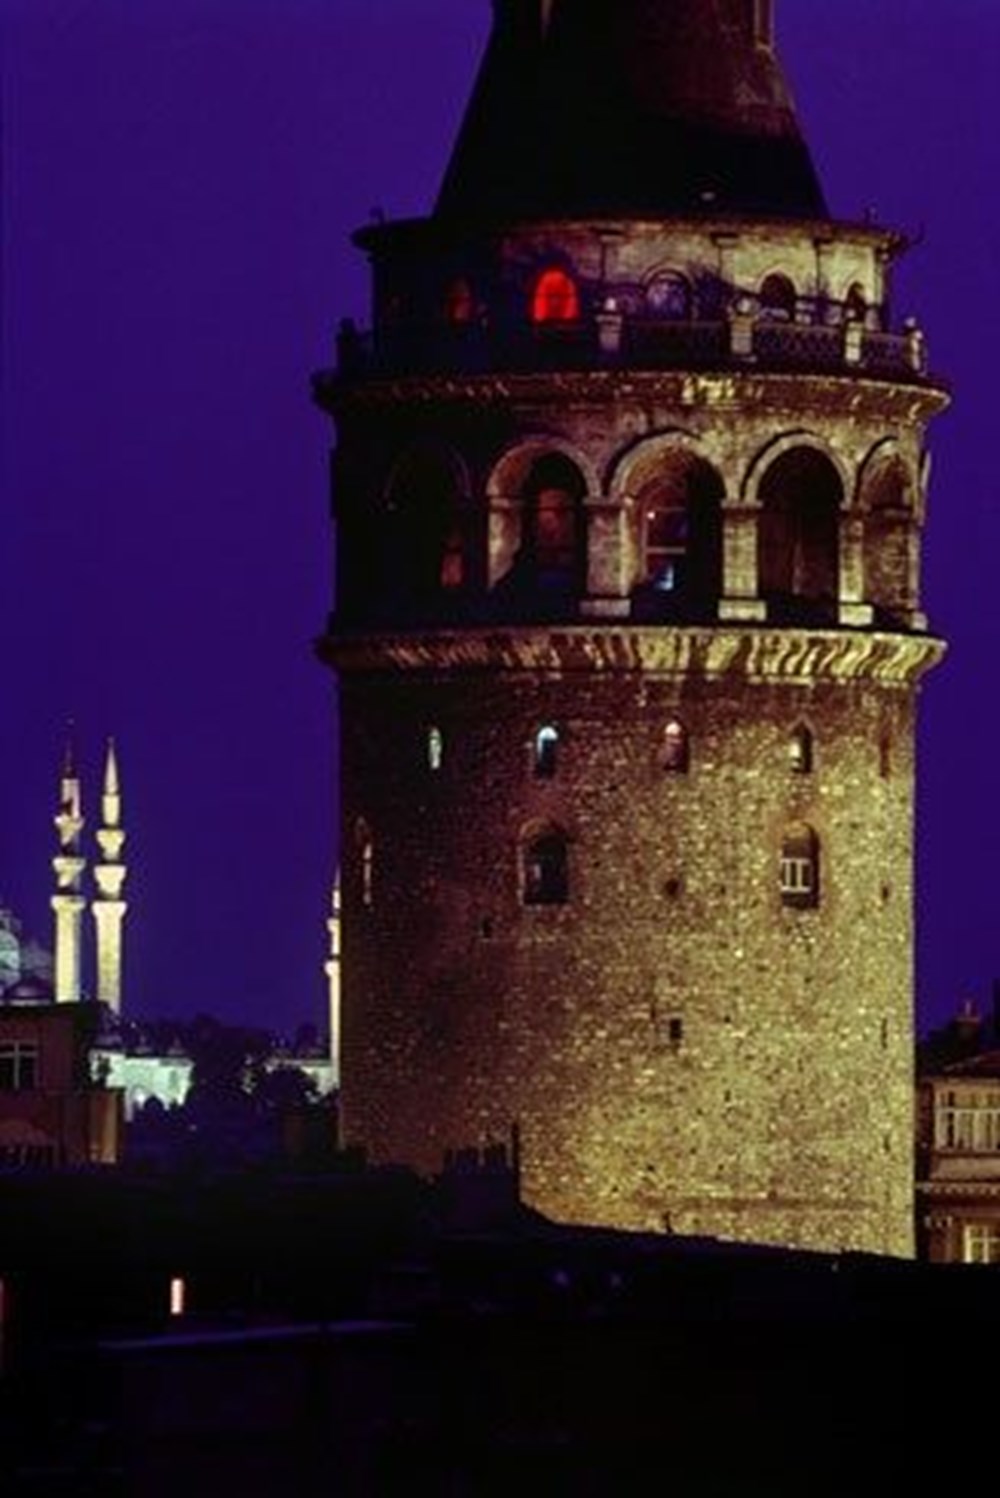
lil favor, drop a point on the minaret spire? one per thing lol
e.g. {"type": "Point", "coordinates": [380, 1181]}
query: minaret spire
{"type": "Point", "coordinates": [68, 866]}
{"type": "Point", "coordinates": [109, 876]}
{"type": "Point", "coordinates": [332, 970]}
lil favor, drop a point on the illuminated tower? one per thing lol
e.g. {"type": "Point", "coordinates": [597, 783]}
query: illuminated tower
{"type": "Point", "coordinates": [109, 876]}
{"type": "Point", "coordinates": [332, 969]}
{"type": "Point", "coordinates": [629, 488]}
{"type": "Point", "coordinates": [68, 866]}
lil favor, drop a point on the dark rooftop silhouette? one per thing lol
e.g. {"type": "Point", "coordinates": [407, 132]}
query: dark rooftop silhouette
{"type": "Point", "coordinates": [630, 108]}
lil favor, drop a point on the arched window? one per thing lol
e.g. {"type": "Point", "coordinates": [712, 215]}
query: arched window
{"type": "Point", "coordinates": [423, 539]}
{"type": "Point", "coordinates": [546, 752]}
{"type": "Point", "coordinates": [799, 537]}
{"type": "Point", "coordinates": [799, 869]}
{"type": "Point", "coordinates": [777, 299]}
{"type": "Point", "coordinates": [459, 302]}
{"type": "Point", "coordinates": [680, 520]}
{"type": "Point", "coordinates": [553, 540]}
{"type": "Point", "coordinates": [545, 869]}
{"type": "Point", "coordinates": [800, 751]}
{"type": "Point", "coordinates": [556, 297]}
{"type": "Point", "coordinates": [668, 294]}
{"type": "Point", "coordinates": [435, 748]}
{"type": "Point", "coordinates": [676, 747]}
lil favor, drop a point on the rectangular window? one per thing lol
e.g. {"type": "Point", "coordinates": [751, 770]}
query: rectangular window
{"type": "Point", "coordinates": [981, 1243]}
{"type": "Point", "coordinates": [968, 1121]}
{"type": "Point", "coordinates": [18, 1065]}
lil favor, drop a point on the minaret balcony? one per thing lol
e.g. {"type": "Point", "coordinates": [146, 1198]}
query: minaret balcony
{"type": "Point", "coordinates": [610, 339]}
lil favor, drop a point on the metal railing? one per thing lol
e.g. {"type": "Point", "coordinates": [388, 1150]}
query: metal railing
{"type": "Point", "coordinates": [628, 342]}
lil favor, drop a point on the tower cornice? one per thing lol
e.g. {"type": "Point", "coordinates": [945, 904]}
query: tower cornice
{"type": "Point", "coordinates": [836, 394]}
{"type": "Point", "coordinates": [793, 656]}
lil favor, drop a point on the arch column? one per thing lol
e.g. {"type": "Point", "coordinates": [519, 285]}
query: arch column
{"type": "Point", "coordinates": [608, 569]}
{"type": "Point", "coordinates": [740, 601]}
{"type": "Point", "coordinates": [852, 609]}
{"type": "Point", "coordinates": [917, 617]}
{"type": "Point", "coordinates": [504, 536]}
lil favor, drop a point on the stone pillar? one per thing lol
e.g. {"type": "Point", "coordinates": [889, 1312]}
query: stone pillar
{"type": "Point", "coordinates": [504, 538]}
{"type": "Point", "coordinates": [853, 611]}
{"type": "Point", "coordinates": [824, 259]}
{"type": "Point", "coordinates": [609, 560]}
{"type": "Point", "coordinates": [739, 601]}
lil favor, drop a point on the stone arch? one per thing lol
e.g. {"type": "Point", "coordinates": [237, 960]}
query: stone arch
{"type": "Point", "coordinates": [800, 489]}
{"type": "Point", "coordinates": [676, 497]}
{"type": "Point", "coordinates": [521, 515]}
{"type": "Point", "coordinates": [799, 437]}
{"type": "Point", "coordinates": [538, 528]}
{"type": "Point", "coordinates": [506, 478]}
{"type": "Point", "coordinates": [888, 498]}
{"type": "Point", "coordinates": [427, 544]}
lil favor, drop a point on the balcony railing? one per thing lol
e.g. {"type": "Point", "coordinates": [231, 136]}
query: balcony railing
{"type": "Point", "coordinates": [613, 340]}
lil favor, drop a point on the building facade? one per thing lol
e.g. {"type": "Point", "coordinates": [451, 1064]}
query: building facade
{"type": "Point", "coordinates": [629, 487]}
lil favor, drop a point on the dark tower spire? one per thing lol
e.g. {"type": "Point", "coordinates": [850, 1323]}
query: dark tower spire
{"type": "Point", "coordinates": [636, 108]}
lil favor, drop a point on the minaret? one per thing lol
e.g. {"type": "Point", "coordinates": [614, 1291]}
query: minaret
{"type": "Point", "coordinates": [68, 865]}
{"type": "Point", "coordinates": [109, 876]}
{"type": "Point", "coordinates": [630, 486]}
{"type": "Point", "coordinates": [332, 969]}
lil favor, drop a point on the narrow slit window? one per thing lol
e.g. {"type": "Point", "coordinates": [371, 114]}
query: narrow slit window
{"type": "Point", "coordinates": [546, 752]}
{"type": "Point", "coordinates": [435, 748]}
{"type": "Point", "coordinates": [676, 752]}
{"type": "Point", "coordinates": [800, 751]}
{"type": "Point", "coordinates": [546, 872]}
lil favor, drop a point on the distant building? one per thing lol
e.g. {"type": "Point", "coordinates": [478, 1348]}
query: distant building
{"type": "Point", "coordinates": [958, 1144]}
{"type": "Point", "coordinates": [52, 1113]}
{"type": "Point", "coordinates": [22, 959]}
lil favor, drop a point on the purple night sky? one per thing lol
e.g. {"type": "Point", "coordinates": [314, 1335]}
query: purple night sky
{"type": "Point", "coordinates": [180, 178]}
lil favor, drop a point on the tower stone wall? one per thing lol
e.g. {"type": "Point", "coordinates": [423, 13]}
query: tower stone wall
{"type": "Point", "coordinates": [629, 636]}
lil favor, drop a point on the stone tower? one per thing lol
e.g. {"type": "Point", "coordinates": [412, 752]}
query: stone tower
{"type": "Point", "coordinates": [629, 487]}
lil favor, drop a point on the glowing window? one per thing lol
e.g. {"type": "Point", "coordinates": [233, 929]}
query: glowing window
{"type": "Point", "coordinates": [800, 751]}
{"type": "Point", "coordinates": [556, 298]}
{"type": "Point", "coordinates": [459, 303]}
{"type": "Point", "coordinates": [435, 748]}
{"type": "Point", "coordinates": [546, 752]}
{"type": "Point", "coordinates": [968, 1120]}
{"type": "Point", "coordinates": [666, 528]}
{"type": "Point", "coordinates": [676, 749]}
{"type": "Point", "coordinates": [799, 869]}
{"type": "Point", "coordinates": [546, 872]}
{"type": "Point", "coordinates": [981, 1243]}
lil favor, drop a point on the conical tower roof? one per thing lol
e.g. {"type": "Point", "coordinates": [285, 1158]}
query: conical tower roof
{"type": "Point", "coordinates": [630, 108]}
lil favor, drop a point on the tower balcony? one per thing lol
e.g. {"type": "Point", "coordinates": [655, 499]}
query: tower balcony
{"type": "Point", "coordinates": [611, 339]}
